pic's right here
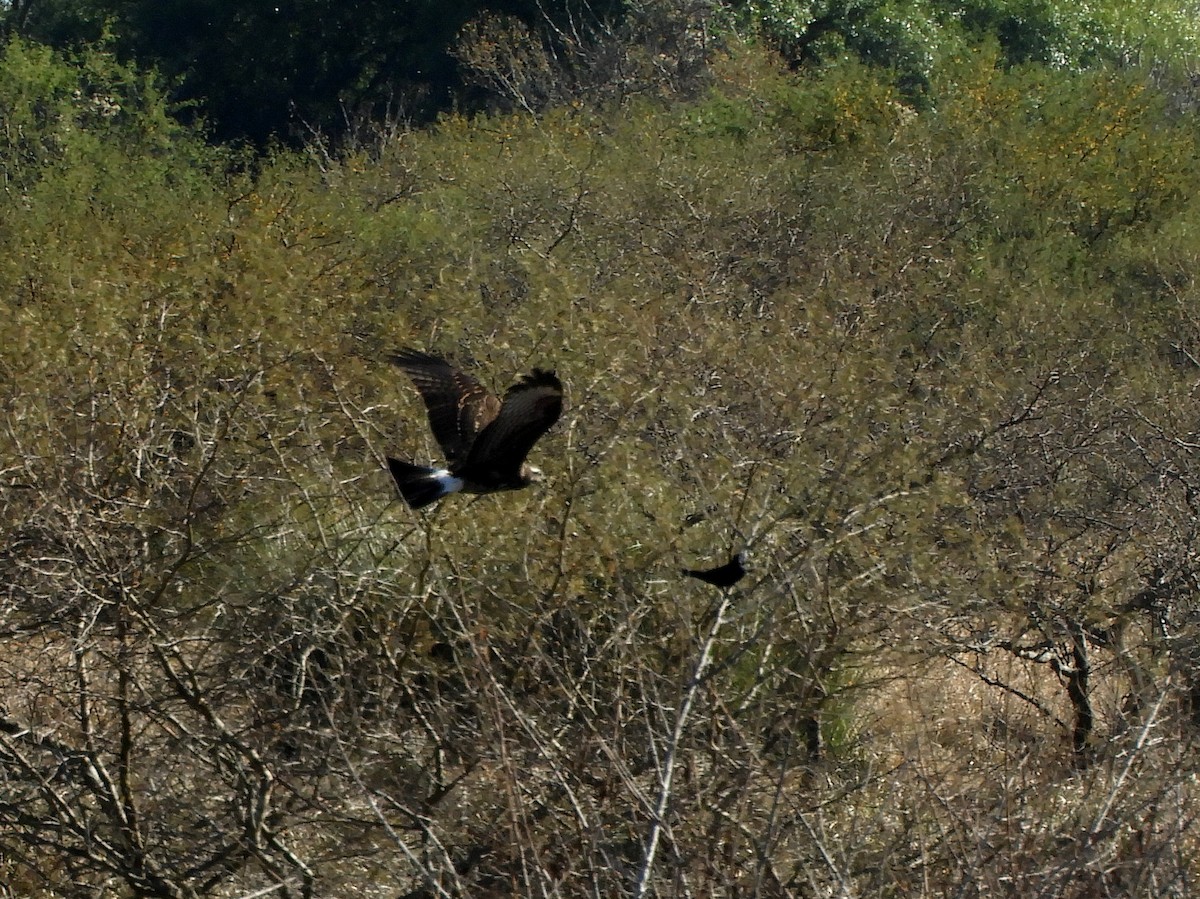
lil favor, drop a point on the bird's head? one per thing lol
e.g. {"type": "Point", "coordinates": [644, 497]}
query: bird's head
{"type": "Point", "coordinates": [531, 474]}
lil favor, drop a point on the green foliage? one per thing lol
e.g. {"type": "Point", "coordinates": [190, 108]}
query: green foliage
{"type": "Point", "coordinates": [54, 107]}
{"type": "Point", "coordinates": [313, 70]}
{"type": "Point", "coordinates": [912, 37]}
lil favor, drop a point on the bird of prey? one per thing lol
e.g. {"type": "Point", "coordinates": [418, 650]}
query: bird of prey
{"type": "Point", "coordinates": [723, 575]}
{"type": "Point", "coordinates": [485, 439]}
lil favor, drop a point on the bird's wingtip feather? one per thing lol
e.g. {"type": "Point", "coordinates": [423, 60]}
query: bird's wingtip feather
{"type": "Point", "coordinates": [408, 355]}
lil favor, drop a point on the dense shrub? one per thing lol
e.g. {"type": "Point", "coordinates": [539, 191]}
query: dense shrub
{"type": "Point", "coordinates": [934, 367]}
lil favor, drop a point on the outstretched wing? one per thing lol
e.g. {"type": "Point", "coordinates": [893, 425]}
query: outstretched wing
{"type": "Point", "coordinates": [530, 407]}
{"type": "Point", "coordinates": [459, 407]}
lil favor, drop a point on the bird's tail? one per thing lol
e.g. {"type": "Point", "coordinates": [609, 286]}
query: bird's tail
{"type": "Point", "coordinates": [420, 485]}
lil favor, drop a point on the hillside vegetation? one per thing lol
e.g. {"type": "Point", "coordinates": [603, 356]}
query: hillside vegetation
{"type": "Point", "coordinates": [936, 366]}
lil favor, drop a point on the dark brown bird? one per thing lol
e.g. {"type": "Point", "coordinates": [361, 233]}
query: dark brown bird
{"type": "Point", "coordinates": [723, 575]}
{"type": "Point", "coordinates": [485, 439]}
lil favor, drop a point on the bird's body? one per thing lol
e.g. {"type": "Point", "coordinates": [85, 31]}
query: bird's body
{"type": "Point", "coordinates": [723, 575]}
{"type": "Point", "coordinates": [485, 439]}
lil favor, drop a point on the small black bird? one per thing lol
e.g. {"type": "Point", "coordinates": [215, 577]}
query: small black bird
{"type": "Point", "coordinates": [485, 439]}
{"type": "Point", "coordinates": [723, 575]}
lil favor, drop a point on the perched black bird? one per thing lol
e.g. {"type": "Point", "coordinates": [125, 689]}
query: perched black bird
{"type": "Point", "coordinates": [485, 440]}
{"type": "Point", "coordinates": [723, 575]}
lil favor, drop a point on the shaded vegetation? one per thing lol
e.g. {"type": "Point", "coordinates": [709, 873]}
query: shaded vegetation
{"type": "Point", "coordinates": [309, 70]}
{"type": "Point", "coordinates": [936, 368]}
{"type": "Point", "coordinates": [296, 69]}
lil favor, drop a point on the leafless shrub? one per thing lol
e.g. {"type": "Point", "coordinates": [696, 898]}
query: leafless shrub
{"type": "Point", "coordinates": [659, 49]}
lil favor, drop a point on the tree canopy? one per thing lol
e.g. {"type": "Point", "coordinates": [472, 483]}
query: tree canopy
{"type": "Point", "coordinates": [295, 69]}
{"type": "Point", "coordinates": [287, 69]}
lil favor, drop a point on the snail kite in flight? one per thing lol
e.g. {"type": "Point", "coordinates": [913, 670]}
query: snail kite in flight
{"type": "Point", "coordinates": [485, 439]}
{"type": "Point", "coordinates": [723, 575]}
